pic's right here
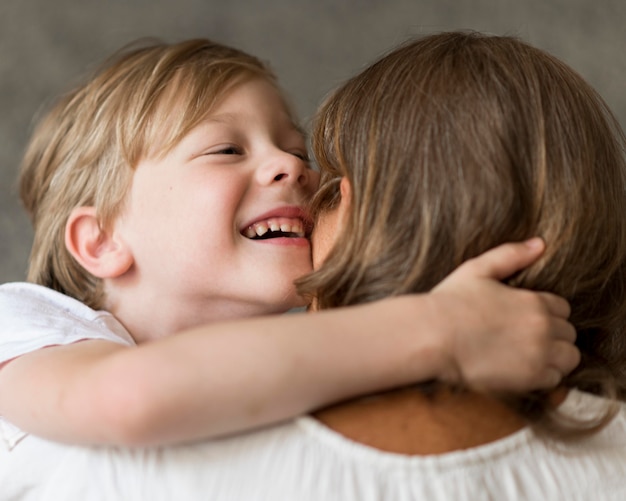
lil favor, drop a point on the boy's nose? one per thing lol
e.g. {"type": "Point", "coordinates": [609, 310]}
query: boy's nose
{"type": "Point", "coordinates": [285, 167]}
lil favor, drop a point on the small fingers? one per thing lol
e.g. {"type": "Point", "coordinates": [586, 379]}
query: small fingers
{"type": "Point", "coordinates": [562, 330]}
{"type": "Point", "coordinates": [563, 357]}
{"type": "Point", "coordinates": [505, 260]}
{"type": "Point", "coordinates": [556, 305]}
{"type": "Point", "coordinates": [550, 378]}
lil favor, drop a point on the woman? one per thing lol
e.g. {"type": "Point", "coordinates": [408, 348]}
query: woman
{"type": "Point", "coordinates": [444, 148]}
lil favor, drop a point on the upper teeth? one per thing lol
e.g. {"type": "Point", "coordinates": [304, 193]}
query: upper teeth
{"type": "Point", "coordinates": [284, 224]}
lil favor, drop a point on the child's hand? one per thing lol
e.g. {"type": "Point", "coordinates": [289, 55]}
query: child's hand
{"type": "Point", "coordinates": [506, 339]}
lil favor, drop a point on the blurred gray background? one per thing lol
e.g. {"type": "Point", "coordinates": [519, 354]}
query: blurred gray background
{"type": "Point", "coordinates": [46, 45]}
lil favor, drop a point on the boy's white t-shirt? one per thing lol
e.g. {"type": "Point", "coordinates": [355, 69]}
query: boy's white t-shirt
{"type": "Point", "coordinates": [297, 460]}
{"type": "Point", "coordinates": [33, 317]}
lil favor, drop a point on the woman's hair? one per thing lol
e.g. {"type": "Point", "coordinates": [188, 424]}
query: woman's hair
{"type": "Point", "coordinates": [139, 104]}
{"type": "Point", "coordinates": [457, 142]}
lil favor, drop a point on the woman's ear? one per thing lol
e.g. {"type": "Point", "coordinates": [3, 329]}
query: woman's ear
{"type": "Point", "coordinates": [329, 225]}
{"type": "Point", "coordinates": [346, 198]}
{"type": "Point", "coordinates": [100, 252]}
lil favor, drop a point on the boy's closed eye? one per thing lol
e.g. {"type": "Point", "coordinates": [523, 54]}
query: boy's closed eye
{"type": "Point", "coordinates": [234, 150]}
{"type": "Point", "coordinates": [225, 150]}
{"type": "Point", "coordinates": [302, 155]}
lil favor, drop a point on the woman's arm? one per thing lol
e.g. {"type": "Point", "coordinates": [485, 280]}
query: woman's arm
{"type": "Point", "coordinates": [227, 377]}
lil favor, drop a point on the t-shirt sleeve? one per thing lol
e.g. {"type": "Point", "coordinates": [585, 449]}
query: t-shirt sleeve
{"type": "Point", "coordinates": [32, 317]}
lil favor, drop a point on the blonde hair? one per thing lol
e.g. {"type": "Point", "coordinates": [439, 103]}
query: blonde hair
{"type": "Point", "coordinates": [457, 142]}
{"type": "Point", "coordinates": [140, 103]}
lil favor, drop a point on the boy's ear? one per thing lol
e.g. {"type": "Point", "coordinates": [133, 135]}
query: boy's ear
{"type": "Point", "coordinates": [100, 252]}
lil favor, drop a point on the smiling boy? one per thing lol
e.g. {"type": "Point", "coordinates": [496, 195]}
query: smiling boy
{"type": "Point", "coordinates": [242, 170]}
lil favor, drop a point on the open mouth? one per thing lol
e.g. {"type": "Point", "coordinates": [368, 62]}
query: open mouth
{"type": "Point", "coordinates": [277, 227]}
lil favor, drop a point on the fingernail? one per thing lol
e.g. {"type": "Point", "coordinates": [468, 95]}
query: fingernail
{"type": "Point", "coordinates": [534, 243]}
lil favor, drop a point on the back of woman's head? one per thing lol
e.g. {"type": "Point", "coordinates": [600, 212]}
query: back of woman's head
{"type": "Point", "coordinates": [457, 142]}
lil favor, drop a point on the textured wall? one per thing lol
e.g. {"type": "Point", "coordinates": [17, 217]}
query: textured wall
{"type": "Point", "coordinates": [47, 44]}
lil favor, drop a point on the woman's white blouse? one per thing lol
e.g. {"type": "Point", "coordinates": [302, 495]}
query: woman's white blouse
{"type": "Point", "coordinates": [303, 460]}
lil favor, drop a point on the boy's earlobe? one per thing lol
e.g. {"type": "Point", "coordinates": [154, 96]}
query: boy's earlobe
{"type": "Point", "coordinates": [99, 251]}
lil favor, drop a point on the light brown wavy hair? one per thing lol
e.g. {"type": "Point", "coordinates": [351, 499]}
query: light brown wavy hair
{"type": "Point", "coordinates": [83, 152]}
{"type": "Point", "coordinates": [457, 142]}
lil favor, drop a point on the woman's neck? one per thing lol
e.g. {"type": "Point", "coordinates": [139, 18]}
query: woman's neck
{"type": "Point", "coordinates": [409, 421]}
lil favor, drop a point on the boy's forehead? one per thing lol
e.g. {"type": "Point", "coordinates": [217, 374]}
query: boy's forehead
{"type": "Point", "coordinates": [167, 135]}
{"type": "Point", "coordinates": [179, 111]}
{"type": "Point", "coordinates": [264, 93]}
{"type": "Point", "coordinates": [229, 108]}
{"type": "Point", "coordinates": [228, 118]}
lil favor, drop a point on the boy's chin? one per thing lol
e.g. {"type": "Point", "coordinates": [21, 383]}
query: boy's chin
{"type": "Point", "coordinates": [298, 309]}
{"type": "Point", "coordinates": [300, 303]}
{"type": "Point", "coordinates": [295, 303]}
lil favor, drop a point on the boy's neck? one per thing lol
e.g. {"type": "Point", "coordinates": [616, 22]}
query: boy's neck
{"type": "Point", "coordinates": [149, 316]}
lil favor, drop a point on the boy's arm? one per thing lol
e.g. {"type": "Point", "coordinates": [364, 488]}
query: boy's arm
{"type": "Point", "coordinates": [228, 377]}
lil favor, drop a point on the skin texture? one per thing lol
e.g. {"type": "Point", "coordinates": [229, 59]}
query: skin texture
{"type": "Point", "coordinates": [410, 422]}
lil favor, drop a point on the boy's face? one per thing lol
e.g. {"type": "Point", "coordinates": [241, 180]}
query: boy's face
{"type": "Point", "coordinates": [194, 216]}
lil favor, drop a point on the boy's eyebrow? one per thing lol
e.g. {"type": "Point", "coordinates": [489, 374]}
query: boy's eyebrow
{"type": "Point", "coordinates": [231, 117]}
{"type": "Point", "coordinates": [221, 118]}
